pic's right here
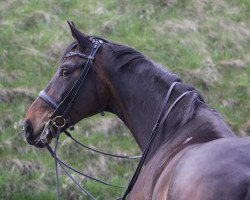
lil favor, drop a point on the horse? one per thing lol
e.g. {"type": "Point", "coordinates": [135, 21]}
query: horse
{"type": "Point", "coordinates": [194, 155]}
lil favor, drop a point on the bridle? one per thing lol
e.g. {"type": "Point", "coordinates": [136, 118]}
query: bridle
{"type": "Point", "coordinates": [60, 119]}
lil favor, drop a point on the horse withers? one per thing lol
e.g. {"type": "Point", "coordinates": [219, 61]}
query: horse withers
{"type": "Point", "coordinates": [193, 155]}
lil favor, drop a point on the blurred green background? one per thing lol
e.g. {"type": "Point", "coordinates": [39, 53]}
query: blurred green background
{"type": "Point", "coordinates": [206, 42]}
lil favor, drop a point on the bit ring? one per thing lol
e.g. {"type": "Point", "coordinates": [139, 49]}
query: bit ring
{"type": "Point", "coordinates": [59, 121]}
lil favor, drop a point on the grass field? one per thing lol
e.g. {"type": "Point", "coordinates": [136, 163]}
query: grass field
{"type": "Point", "coordinates": [206, 42]}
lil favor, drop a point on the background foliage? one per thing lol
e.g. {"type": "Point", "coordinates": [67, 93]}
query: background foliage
{"type": "Point", "coordinates": [206, 42]}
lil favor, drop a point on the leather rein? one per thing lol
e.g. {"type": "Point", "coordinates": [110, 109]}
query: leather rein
{"type": "Point", "coordinates": [60, 119]}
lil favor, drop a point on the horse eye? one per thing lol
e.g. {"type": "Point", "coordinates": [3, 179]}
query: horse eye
{"type": "Point", "coordinates": [65, 72]}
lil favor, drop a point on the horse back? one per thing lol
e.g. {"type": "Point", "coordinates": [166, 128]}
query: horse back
{"type": "Point", "coordinates": [215, 170]}
{"type": "Point", "coordinates": [219, 169]}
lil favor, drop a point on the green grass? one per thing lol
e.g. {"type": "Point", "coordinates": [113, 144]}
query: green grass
{"type": "Point", "coordinates": [35, 33]}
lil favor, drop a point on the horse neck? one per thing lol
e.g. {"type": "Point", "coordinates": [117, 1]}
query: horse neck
{"type": "Point", "coordinates": [139, 93]}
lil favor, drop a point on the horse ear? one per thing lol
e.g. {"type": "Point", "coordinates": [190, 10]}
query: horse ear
{"type": "Point", "coordinates": [79, 36]}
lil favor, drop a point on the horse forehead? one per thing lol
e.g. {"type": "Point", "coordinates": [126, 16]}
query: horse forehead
{"type": "Point", "coordinates": [73, 58]}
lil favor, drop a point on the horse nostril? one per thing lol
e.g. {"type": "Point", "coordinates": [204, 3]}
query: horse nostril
{"type": "Point", "coordinates": [28, 129]}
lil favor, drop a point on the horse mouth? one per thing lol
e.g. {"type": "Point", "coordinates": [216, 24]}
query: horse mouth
{"type": "Point", "coordinates": [48, 133]}
{"type": "Point", "coordinates": [41, 144]}
{"type": "Point", "coordinates": [38, 143]}
{"type": "Point", "coordinates": [43, 137]}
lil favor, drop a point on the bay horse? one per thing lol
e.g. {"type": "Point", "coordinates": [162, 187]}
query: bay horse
{"type": "Point", "coordinates": [194, 154]}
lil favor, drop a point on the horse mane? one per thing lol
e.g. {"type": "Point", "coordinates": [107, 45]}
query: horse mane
{"type": "Point", "coordinates": [127, 53]}
{"type": "Point", "coordinates": [128, 58]}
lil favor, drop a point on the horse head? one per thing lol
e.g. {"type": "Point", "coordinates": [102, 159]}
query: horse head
{"type": "Point", "coordinates": [76, 91]}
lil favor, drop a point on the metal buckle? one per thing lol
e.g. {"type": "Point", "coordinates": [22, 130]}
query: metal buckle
{"type": "Point", "coordinates": [59, 121]}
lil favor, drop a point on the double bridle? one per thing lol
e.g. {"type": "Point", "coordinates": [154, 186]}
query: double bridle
{"type": "Point", "coordinates": [60, 119]}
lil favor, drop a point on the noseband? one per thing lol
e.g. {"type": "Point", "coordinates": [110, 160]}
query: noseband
{"type": "Point", "coordinates": [59, 117]}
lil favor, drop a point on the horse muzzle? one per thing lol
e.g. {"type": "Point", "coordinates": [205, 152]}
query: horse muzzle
{"type": "Point", "coordinates": [28, 131]}
{"type": "Point", "coordinates": [38, 141]}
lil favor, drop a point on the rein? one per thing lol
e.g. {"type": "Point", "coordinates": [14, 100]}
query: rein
{"type": "Point", "coordinates": [60, 119]}
{"type": "Point", "coordinates": [161, 118]}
